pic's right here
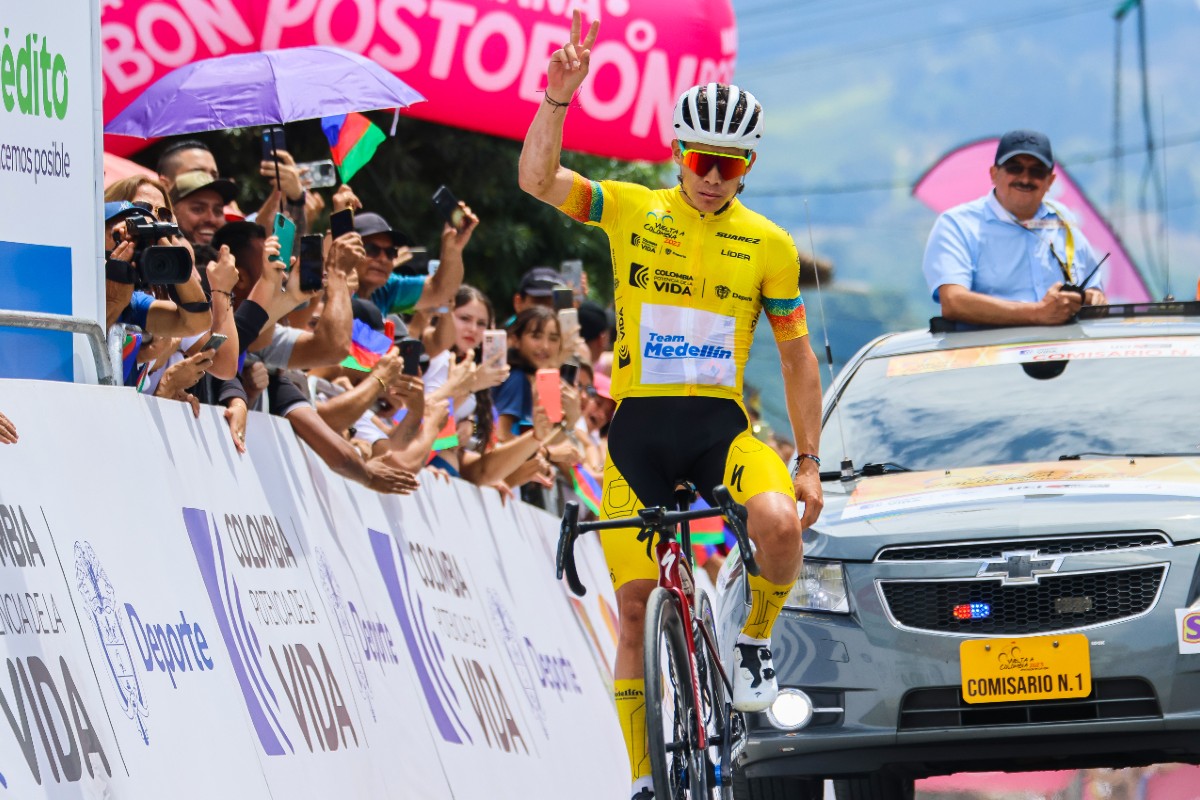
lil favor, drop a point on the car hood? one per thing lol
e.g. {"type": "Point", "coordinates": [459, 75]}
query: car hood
{"type": "Point", "coordinates": [1010, 500]}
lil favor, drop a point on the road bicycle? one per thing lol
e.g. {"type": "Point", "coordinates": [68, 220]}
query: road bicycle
{"type": "Point", "coordinates": [694, 734]}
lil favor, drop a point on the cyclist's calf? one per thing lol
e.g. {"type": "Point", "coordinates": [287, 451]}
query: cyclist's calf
{"type": "Point", "coordinates": [774, 525]}
{"type": "Point", "coordinates": [631, 609]}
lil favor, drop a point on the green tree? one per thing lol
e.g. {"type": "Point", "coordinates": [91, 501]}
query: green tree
{"type": "Point", "coordinates": [516, 231]}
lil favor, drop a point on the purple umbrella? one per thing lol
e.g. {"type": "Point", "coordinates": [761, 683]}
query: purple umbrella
{"type": "Point", "coordinates": [264, 88]}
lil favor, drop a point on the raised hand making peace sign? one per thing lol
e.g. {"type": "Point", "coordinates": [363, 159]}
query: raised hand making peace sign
{"type": "Point", "coordinates": [569, 64]}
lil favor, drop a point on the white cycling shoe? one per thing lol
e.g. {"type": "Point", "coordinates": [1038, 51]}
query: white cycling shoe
{"type": "Point", "coordinates": [754, 684]}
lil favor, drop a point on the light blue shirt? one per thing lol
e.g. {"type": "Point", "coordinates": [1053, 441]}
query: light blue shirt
{"type": "Point", "coordinates": [981, 246]}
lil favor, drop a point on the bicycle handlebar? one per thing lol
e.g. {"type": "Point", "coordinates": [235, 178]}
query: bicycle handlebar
{"type": "Point", "coordinates": [656, 520]}
{"type": "Point", "coordinates": [565, 559]}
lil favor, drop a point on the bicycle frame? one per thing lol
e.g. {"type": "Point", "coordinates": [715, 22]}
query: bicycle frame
{"type": "Point", "coordinates": [675, 575]}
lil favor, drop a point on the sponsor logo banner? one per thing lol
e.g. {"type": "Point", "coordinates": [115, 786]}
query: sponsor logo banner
{"type": "Point", "coordinates": [686, 345]}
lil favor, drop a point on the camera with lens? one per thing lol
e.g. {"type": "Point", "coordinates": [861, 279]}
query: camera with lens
{"type": "Point", "coordinates": [152, 263]}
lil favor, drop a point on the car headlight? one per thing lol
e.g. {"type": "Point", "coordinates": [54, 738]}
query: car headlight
{"type": "Point", "coordinates": [820, 587]}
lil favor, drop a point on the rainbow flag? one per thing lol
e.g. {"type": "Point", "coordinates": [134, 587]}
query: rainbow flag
{"type": "Point", "coordinates": [448, 436]}
{"type": "Point", "coordinates": [587, 488]}
{"type": "Point", "coordinates": [129, 351]}
{"type": "Point", "coordinates": [706, 531]}
{"type": "Point", "coordinates": [367, 346]}
{"type": "Point", "coordinates": [353, 139]}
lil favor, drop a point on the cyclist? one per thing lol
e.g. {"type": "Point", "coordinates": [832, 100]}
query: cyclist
{"type": "Point", "coordinates": [692, 269]}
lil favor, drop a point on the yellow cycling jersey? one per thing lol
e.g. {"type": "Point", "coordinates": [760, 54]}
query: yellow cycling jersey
{"type": "Point", "coordinates": [688, 287]}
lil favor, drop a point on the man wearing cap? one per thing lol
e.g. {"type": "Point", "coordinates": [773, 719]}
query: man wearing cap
{"type": "Point", "coordinates": [537, 289]}
{"type": "Point", "coordinates": [199, 200]}
{"type": "Point", "coordinates": [394, 294]}
{"type": "Point", "coordinates": [1011, 257]}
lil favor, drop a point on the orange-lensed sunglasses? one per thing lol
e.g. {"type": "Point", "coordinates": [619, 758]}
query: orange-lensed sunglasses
{"type": "Point", "coordinates": [728, 167]}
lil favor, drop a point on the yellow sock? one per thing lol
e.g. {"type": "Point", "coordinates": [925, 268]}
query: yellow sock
{"type": "Point", "coordinates": [766, 601]}
{"type": "Point", "coordinates": [631, 711]}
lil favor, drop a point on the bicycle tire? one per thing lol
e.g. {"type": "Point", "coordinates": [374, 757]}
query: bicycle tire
{"type": "Point", "coordinates": [677, 765]}
{"type": "Point", "coordinates": [714, 703]}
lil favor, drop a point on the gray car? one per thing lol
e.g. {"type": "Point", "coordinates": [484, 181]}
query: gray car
{"type": "Point", "coordinates": [1005, 572]}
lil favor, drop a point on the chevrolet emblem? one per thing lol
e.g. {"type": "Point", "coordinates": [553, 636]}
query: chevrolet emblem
{"type": "Point", "coordinates": [1020, 567]}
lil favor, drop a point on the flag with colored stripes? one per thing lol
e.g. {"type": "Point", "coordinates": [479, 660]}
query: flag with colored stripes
{"type": "Point", "coordinates": [129, 351]}
{"type": "Point", "coordinates": [587, 487]}
{"type": "Point", "coordinates": [367, 346]}
{"type": "Point", "coordinates": [710, 530]}
{"type": "Point", "coordinates": [353, 139]}
{"type": "Point", "coordinates": [448, 436]}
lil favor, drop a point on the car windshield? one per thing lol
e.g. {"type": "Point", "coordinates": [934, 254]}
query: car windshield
{"type": "Point", "coordinates": [1005, 404]}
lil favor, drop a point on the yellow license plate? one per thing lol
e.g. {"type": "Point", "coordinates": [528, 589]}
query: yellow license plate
{"type": "Point", "coordinates": [1030, 668]}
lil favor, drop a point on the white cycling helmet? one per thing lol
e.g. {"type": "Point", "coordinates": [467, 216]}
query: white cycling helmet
{"type": "Point", "coordinates": [720, 115]}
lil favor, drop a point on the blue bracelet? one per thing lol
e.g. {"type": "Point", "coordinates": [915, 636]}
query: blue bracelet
{"type": "Point", "coordinates": [814, 458]}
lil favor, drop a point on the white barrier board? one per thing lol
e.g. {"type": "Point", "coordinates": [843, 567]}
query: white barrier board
{"type": "Point", "coordinates": [176, 616]}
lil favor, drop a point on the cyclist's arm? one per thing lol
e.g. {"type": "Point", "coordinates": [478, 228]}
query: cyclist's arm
{"type": "Point", "coordinates": [801, 374]}
{"type": "Point", "coordinates": [802, 390]}
{"type": "Point", "coordinates": [539, 171]}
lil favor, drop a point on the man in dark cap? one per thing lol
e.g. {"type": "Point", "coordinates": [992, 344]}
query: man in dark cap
{"type": "Point", "coordinates": [537, 288]}
{"type": "Point", "coordinates": [199, 200]}
{"type": "Point", "coordinates": [1012, 257]}
{"type": "Point", "coordinates": [395, 294]}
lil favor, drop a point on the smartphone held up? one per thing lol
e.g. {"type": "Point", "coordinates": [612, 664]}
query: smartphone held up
{"type": "Point", "coordinates": [447, 204]}
{"type": "Point", "coordinates": [549, 393]}
{"type": "Point", "coordinates": [312, 263]}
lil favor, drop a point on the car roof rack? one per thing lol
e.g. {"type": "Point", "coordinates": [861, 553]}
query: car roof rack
{"type": "Point", "coordinates": [1181, 308]}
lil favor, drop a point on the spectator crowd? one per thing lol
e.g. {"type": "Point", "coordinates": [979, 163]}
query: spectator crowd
{"type": "Point", "coordinates": [376, 360]}
{"type": "Point", "coordinates": [387, 365]}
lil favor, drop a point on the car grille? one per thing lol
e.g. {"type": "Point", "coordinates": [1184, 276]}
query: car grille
{"type": "Point", "coordinates": [983, 551]}
{"type": "Point", "coordinates": [1065, 601]}
{"type": "Point", "coordinates": [944, 707]}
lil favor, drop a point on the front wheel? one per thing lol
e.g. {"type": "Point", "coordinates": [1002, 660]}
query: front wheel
{"type": "Point", "coordinates": [679, 767]}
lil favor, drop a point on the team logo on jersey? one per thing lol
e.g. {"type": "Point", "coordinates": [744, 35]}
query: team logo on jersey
{"type": "Point", "coordinates": [668, 282]}
{"type": "Point", "coordinates": [639, 241]}
{"type": "Point", "coordinates": [623, 357]}
{"type": "Point", "coordinates": [735, 254]}
{"type": "Point", "coordinates": [724, 292]}
{"type": "Point", "coordinates": [675, 253]}
{"type": "Point", "coordinates": [621, 324]}
{"type": "Point", "coordinates": [661, 223]}
{"type": "Point", "coordinates": [639, 276]}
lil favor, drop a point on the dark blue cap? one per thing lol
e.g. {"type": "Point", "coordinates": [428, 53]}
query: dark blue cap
{"type": "Point", "coordinates": [1025, 143]}
{"type": "Point", "coordinates": [121, 209]}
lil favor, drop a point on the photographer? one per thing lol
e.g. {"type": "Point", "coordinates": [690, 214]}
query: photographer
{"type": "Point", "coordinates": [145, 253]}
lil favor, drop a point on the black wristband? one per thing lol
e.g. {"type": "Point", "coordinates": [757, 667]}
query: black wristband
{"type": "Point", "coordinates": [197, 307]}
{"type": "Point", "coordinates": [555, 103]}
{"type": "Point", "coordinates": [119, 271]}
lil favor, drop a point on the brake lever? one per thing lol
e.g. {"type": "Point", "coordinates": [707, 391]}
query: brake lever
{"type": "Point", "coordinates": [564, 561]}
{"type": "Point", "coordinates": [735, 514]}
